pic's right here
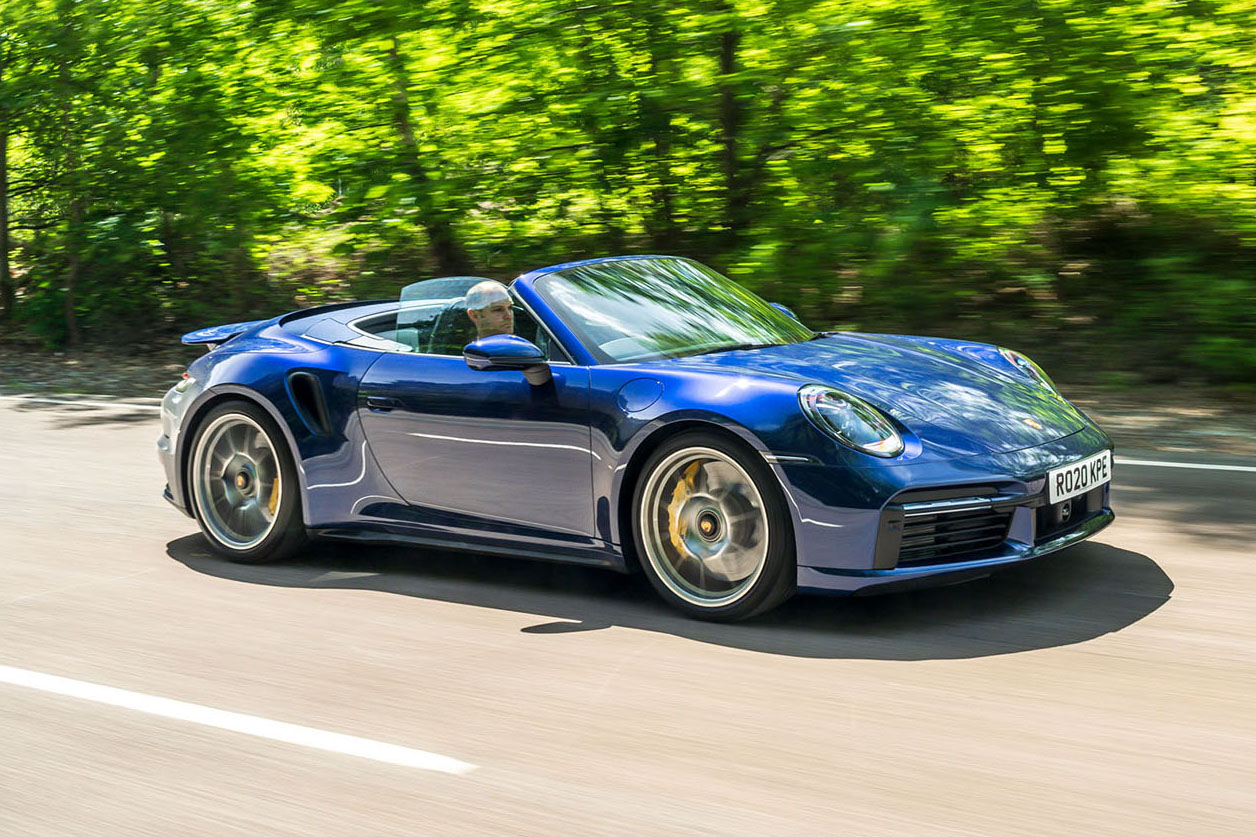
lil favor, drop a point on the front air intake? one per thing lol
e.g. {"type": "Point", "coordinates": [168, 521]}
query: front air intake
{"type": "Point", "coordinates": [952, 535]}
{"type": "Point", "coordinates": [944, 525]}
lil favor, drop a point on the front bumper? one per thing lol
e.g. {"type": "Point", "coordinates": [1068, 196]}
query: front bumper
{"type": "Point", "coordinates": [857, 528]}
{"type": "Point", "coordinates": [822, 580]}
{"type": "Point", "coordinates": [173, 409]}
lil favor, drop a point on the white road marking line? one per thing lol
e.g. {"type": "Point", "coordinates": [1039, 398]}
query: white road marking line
{"type": "Point", "coordinates": [114, 405]}
{"type": "Point", "coordinates": [318, 739]}
{"type": "Point", "coordinates": [1120, 460]}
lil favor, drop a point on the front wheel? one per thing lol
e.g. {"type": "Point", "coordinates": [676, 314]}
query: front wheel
{"type": "Point", "coordinates": [244, 487]}
{"type": "Point", "coordinates": [712, 529]}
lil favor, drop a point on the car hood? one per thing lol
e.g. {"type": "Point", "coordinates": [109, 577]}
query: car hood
{"type": "Point", "coordinates": [949, 400]}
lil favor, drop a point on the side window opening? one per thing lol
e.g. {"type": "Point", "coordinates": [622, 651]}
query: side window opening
{"type": "Point", "coordinates": [414, 325]}
{"type": "Point", "coordinates": [432, 319]}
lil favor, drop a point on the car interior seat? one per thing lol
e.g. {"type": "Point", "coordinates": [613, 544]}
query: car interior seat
{"type": "Point", "coordinates": [452, 332]}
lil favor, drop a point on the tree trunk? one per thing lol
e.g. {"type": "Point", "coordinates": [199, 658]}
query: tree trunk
{"type": "Point", "coordinates": [174, 249]}
{"type": "Point", "coordinates": [609, 154]}
{"type": "Point", "coordinates": [450, 257]}
{"type": "Point", "coordinates": [74, 265]}
{"type": "Point", "coordinates": [75, 210]}
{"type": "Point", "coordinates": [736, 205]}
{"type": "Point", "coordinates": [8, 297]}
{"type": "Point", "coordinates": [657, 122]}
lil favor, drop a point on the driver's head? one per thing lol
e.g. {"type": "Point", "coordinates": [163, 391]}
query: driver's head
{"type": "Point", "coordinates": [488, 306]}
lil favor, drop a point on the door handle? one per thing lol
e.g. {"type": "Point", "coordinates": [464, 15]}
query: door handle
{"type": "Point", "coordinates": [380, 404]}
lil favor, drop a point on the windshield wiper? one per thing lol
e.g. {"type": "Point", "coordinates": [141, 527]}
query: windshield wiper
{"type": "Point", "coordinates": [735, 347]}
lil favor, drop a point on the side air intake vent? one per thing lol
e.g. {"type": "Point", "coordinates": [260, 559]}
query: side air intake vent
{"type": "Point", "coordinates": [307, 397]}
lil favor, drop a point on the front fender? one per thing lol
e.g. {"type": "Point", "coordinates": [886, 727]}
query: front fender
{"type": "Point", "coordinates": [619, 475]}
{"type": "Point", "coordinates": [196, 411]}
{"type": "Point", "coordinates": [633, 409]}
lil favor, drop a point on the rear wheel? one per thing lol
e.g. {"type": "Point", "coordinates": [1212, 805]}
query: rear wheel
{"type": "Point", "coordinates": [243, 485]}
{"type": "Point", "coordinates": [712, 529]}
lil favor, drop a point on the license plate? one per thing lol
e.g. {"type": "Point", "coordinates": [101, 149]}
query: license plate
{"type": "Point", "coordinates": [1080, 477]}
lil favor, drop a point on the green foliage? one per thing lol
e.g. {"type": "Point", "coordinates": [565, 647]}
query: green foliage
{"type": "Point", "coordinates": [1071, 177]}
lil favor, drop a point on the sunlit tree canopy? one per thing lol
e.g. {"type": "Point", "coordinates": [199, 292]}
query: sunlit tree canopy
{"type": "Point", "coordinates": [1066, 175]}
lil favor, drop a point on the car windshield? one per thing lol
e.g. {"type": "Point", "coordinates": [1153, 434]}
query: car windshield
{"type": "Point", "coordinates": [643, 309]}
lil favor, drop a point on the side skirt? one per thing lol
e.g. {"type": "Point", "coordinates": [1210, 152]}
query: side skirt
{"type": "Point", "coordinates": [603, 556]}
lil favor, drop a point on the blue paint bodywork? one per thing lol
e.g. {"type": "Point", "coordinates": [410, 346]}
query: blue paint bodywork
{"type": "Point", "coordinates": [423, 449]}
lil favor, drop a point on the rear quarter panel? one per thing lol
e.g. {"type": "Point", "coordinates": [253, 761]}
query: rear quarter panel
{"type": "Point", "coordinates": [334, 464]}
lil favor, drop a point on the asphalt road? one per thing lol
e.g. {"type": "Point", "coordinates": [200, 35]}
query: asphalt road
{"type": "Point", "coordinates": [1108, 689]}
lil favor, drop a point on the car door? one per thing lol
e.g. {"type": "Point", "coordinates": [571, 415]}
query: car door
{"type": "Point", "coordinates": [485, 450]}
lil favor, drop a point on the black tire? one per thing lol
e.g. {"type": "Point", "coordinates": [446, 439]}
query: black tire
{"type": "Point", "coordinates": [249, 513]}
{"type": "Point", "coordinates": [722, 551]}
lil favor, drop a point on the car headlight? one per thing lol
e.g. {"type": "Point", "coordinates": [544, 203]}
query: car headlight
{"type": "Point", "coordinates": [852, 421]}
{"type": "Point", "coordinates": [1028, 368]}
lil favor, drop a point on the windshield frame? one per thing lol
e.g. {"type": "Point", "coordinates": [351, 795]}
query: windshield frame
{"type": "Point", "coordinates": [534, 284]}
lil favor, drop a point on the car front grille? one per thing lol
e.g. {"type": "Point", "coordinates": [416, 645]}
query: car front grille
{"type": "Point", "coordinates": [952, 535]}
{"type": "Point", "coordinates": [950, 524]}
{"type": "Point", "coordinates": [945, 525]}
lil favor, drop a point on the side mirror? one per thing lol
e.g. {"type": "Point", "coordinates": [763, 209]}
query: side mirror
{"type": "Point", "coordinates": [784, 310]}
{"type": "Point", "coordinates": [507, 351]}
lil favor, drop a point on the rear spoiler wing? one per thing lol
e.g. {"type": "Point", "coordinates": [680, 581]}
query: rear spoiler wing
{"type": "Point", "coordinates": [215, 336]}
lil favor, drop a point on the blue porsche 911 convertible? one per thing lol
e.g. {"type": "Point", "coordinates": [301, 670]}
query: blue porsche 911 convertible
{"type": "Point", "coordinates": [635, 412]}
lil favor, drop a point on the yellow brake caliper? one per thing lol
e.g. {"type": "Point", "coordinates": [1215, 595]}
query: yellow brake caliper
{"type": "Point", "coordinates": [676, 526]}
{"type": "Point", "coordinates": [274, 496]}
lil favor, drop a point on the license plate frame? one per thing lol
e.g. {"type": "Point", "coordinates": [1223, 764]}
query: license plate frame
{"type": "Point", "coordinates": [1076, 478]}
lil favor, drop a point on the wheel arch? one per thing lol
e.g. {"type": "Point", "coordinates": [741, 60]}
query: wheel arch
{"type": "Point", "coordinates": [196, 415]}
{"type": "Point", "coordinates": [739, 437]}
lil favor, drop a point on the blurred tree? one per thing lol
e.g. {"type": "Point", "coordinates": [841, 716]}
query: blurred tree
{"type": "Point", "coordinates": [1065, 175]}
{"type": "Point", "coordinates": [370, 52]}
{"type": "Point", "coordinates": [8, 298]}
{"type": "Point", "coordinates": [19, 99]}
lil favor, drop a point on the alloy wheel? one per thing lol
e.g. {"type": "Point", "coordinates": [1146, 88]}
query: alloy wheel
{"type": "Point", "coordinates": [704, 527]}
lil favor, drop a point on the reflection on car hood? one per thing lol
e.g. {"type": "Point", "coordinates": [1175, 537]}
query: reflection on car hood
{"type": "Point", "coordinates": [949, 400]}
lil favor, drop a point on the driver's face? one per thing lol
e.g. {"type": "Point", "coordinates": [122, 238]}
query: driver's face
{"type": "Point", "coordinates": [497, 318]}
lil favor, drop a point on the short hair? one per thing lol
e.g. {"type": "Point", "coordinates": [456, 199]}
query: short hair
{"type": "Point", "coordinates": [485, 294]}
